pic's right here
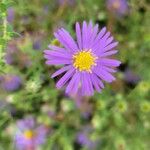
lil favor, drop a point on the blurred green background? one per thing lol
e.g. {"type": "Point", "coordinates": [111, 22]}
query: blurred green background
{"type": "Point", "coordinates": [116, 119]}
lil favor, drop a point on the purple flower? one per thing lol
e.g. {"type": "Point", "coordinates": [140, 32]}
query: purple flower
{"type": "Point", "coordinates": [117, 7]}
{"type": "Point", "coordinates": [85, 62]}
{"type": "Point", "coordinates": [29, 135]}
{"type": "Point", "coordinates": [10, 53]}
{"type": "Point", "coordinates": [131, 77]}
{"type": "Point", "coordinates": [37, 45]}
{"type": "Point", "coordinates": [69, 2]}
{"type": "Point", "coordinates": [15, 57]}
{"type": "Point", "coordinates": [10, 82]}
{"type": "Point", "coordinates": [83, 104]}
{"type": "Point", "coordinates": [83, 138]}
{"type": "Point", "coordinates": [10, 15]}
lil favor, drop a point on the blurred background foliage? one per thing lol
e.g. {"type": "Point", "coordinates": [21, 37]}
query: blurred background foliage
{"type": "Point", "coordinates": [116, 119]}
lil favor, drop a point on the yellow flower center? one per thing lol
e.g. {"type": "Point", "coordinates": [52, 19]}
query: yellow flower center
{"type": "Point", "coordinates": [28, 134]}
{"type": "Point", "coordinates": [84, 60]}
{"type": "Point", "coordinates": [116, 4]}
{"type": "Point", "coordinates": [8, 78]}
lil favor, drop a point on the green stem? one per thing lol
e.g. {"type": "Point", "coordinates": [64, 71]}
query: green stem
{"type": "Point", "coordinates": [4, 37]}
{"type": "Point", "coordinates": [5, 29]}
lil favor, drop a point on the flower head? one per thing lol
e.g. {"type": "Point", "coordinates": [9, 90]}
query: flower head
{"type": "Point", "coordinates": [121, 106]}
{"type": "Point", "coordinates": [10, 15]}
{"type": "Point", "coordinates": [29, 136]}
{"type": "Point", "coordinates": [69, 2]}
{"type": "Point", "coordinates": [84, 138]}
{"type": "Point", "coordinates": [130, 77]}
{"type": "Point", "coordinates": [10, 82]}
{"type": "Point", "coordinates": [37, 45]}
{"type": "Point", "coordinates": [117, 7]}
{"type": "Point", "coordinates": [85, 62]}
{"type": "Point", "coordinates": [14, 56]}
{"type": "Point", "coordinates": [145, 106]}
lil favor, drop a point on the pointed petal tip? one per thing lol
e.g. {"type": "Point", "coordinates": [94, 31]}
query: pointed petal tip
{"type": "Point", "coordinates": [46, 51]}
{"type": "Point", "coordinates": [46, 56]}
{"type": "Point", "coordinates": [46, 63]}
{"type": "Point", "coordinates": [52, 76]}
{"type": "Point", "coordinates": [119, 62]}
{"type": "Point", "coordinates": [104, 28]}
{"type": "Point", "coordinates": [77, 23]}
{"type": "Point", "coordinates": [102, 86]}
{"type": "Point", "coordinates": [117, 43]}
{"type": "Point", "coordinates": [84, 21]}
{"type": "Point", "coordinates": [58, 86]}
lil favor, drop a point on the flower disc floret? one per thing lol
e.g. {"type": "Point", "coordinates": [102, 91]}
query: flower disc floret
{"type": "Point", "coordinates": [84, 60]}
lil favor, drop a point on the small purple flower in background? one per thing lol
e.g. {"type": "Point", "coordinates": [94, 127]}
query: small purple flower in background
{"type": "Point", "coordinates": [10, 15]}
{"type": "Point", "coordinates": [3, 104]}
{"type": "Point", "coordinates": [10, 82]}
{"type": "Point", "coordinates": [37, 45]}
{"type": "Point", "coordinates": [83, 138]}
{"type": "Point", "coordinates": [16, 57]}
{"type": "Point", "coordinates": [10, 53]}
{"type": "Point", "coordinates": [131, 77]}
{"type": "Point", "coordinates": [83, 104]}
{"type": "Point", "coordinates": [69, 2]}
{"type": "Point", "coordinates": [9, 59]}
{"type": "Point", "coordinates": [85, 62]}
{"type": "Point", "coordinates": [29, 135]}
{"type": "Point", "coordinates": [117, 7]}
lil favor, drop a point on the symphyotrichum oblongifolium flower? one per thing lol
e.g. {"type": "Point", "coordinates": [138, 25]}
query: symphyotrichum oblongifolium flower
{"type": "Point", "coordinates": [85, 62]}
{"type": "Point", "coordinates": [117, 7]}
{"type": "Point", "coordinates": [29, 135]}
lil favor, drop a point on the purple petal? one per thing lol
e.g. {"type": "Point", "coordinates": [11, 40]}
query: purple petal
{"type": "Point", "coordinates": [69, 39]}
{"type": "Point", "coordinates": [99, 36]}
{"type": "Point", "coordinates": [63, 40]}
{"type": "Point", "coordinates": [97, 82]}
{"type": "Point", "coordinates": [109, 53]}
{"type": "Point", "coordinates": [109, 40]}
{"type": "Point", "coordinates": [84, 35]}
{"type": "Point", "coordinates": [58, 62]}
{"type": "Point", "coordinates": [85, 84]}
{"type": "Point", "coordinates": [93, 36]}
{"type": "Point", "coordinates": [89, 33]}
{"type": "Point", "coordinates": [108, 69]}
{"type": "Point", "coordinates": [21, 125]}
{"type": "Point", "coordinates": [104, 75]}
{"type": "Point", "coordinates": [73, 84]}
{"type": "Point", "coordinates": [111, 46]}
{"type": "Point", "coordinates": [109, 62]}
{"type": "Point", "coordinates": [57, 54]}
{"type": "Point", "coordinates": [79, 36]}
{"type": "Point", "coordinates": [65, 78]}
{"type": "Point", "coordinates": [99, 46]}
{"type": "Point", "coordinates": [60, 71]}
{"type": "Point", "coordinates": [90, 84]}
{"type": "Point", "coordinates": [27, 123]}
{"type": "Point", "coordinates": [56, 48]}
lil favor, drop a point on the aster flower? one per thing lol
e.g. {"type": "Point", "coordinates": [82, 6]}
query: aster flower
{"type": "Point", "coordinates": [130, 77]}
{"type": "Point", "coordinates": [83, 138]}
{"type": "Point", "coordinates": [10, 82]}
{"type": "Point", "coordinates": [15, 57]}
{"type": "Point", "coordinates": [83, 104]}
{"type": "Point", "coordinates": [69, 2]}
{"type": "Point", "coordinates": [37, 45]}
{"type": "Point", "coordinates": [117, 7]}
{"type": "Point", "coordinates": [10, 14]}
{"type": "Point", "coordinates": [85, 62]}
{"type": "Point", "coordinates": [29, 135]}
